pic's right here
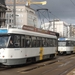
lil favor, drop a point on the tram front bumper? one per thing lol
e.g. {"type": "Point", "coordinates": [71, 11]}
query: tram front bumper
{"type": "Point", "coordinates": [3, 60]}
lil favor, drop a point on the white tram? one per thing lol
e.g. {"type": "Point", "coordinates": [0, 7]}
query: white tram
{"type": "Point", "coordinates": [66, 45]}
{"type": "Point", "coordinates": [19, 46]}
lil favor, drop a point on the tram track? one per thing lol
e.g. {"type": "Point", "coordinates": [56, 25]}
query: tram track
{"type": "Point", "coordinates": [32, 67]}
{"type": "Point", "coordinates": [38, 66]}
{"type": "Point", "coordinates": [59, 61]}
{"type": "Point", "coordinates": [65, 56]}
{"type": "Point", "coordinates": [45, 72]}
{"type": "Point", "coordinates": [64, 72]}
{"type": "Point", "coordinates": [56, 67]}
{"type": "Point", "coordinates": [53, 64]}
{"type": "Point", "coordinates": [2, 67]}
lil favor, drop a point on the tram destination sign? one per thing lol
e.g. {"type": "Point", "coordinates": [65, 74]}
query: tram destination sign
{"type": "Point", "coordinates": [3, 31]}
{"type": "Point", "coordinates": [30, 28]}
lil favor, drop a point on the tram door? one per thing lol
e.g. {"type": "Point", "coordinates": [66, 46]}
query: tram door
{"type": "Point", "coordinates": [41, 53]}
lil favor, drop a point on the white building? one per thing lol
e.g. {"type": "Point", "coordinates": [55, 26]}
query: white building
{"type": "Point", "coordinates": [24, 16]}
{"type": "Point", "coordinates": [57, 26]}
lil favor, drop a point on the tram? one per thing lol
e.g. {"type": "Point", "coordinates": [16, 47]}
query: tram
{"type": "Point", "coordinates": [66, 45]}
{"type": "Point", "coordinates": [26, 44]}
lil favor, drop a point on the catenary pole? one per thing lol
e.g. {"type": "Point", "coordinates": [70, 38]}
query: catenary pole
{"type": "Point", "coordinates": [14, 12]}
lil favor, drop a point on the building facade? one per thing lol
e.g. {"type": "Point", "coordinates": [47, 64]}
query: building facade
{"type": "Point", "coordinates": [57, 26]}
{"type": "Point", "coordinates": [24, 15]}
{"type": "Point", "coordinates": [72, 30]}
{"type": "Point", "coordinates": [18, 2]}
{"type": "Point", "coordinates": [2, 12]}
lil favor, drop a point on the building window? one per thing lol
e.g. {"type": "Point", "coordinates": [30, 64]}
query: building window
{"type": "Point", "coordinates": [9, 20]}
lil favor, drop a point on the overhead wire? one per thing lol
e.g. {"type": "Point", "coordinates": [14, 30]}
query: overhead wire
{"type": "Point", "coordinates": [43, 14]}
{"type": "Point", "coordinates": [42, 21]}
{"type": "Point", "coordinates": [72, 2]}
{"type": "Point", "coordinates": [49, 12]}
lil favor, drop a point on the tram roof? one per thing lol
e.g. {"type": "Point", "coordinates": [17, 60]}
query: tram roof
{"type": "Point", "coordinates": [25, 32]}
{"type": "Point", "coordinates": [64, 39]}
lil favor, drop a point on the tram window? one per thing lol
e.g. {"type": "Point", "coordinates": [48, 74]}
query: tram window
{"type": "Point", "coordinates": [74, 43]}
{"type": "Point", "coordinates": [62, 43]}
{"type": "Point", "coordinates": [38, 42]}
{"type": "Point", "coordinates": [54, 42]}
{"type": "Point", "coordinates": [44, 42]}
{"type": "Point", "coordinates": [51, 42]}
{"type": "Point", "coordinates": [33, 41]}
{"type": "Point", "coordinates": [28, 41]}
{"type": "Point", "coordinates": [11, 43]}
{"type": "Point", "coordinates": [71, 43]}
{"type": "Point", "coordinates": [17, 40]}
{"type": "Point", "coordinates": [48, 43]}
{"type": "Point", "coordinates": [41, 42]}
{"type": "Point", "coordinates": [22, 41]}
{"type": "Point", "coordinates": [68, 43]}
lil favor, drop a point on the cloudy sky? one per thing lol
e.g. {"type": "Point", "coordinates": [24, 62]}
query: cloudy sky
{"type": "Point", "coordinates": [60, 9]}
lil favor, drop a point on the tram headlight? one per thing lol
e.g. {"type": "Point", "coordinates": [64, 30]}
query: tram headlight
{"type": "Point", "coordinates": [3, 56]}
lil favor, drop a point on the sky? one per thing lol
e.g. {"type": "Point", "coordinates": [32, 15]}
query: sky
{"type": "Point", "coordinates": [60, 9]}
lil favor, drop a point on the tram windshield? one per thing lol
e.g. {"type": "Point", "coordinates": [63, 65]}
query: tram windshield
{"type": "Point", "coordinates": [66, 43]}
{"type": "Point", "coordinates": [4, 41]}
{"type": "Point", "coordinates": [61, 43]}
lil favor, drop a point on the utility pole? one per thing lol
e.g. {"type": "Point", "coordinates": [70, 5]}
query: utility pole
{"type": "Point", "coordinates": [54, 25]}
{"type": "Point", "coordinates": [29, 3]}
{"type": "Point", "coordinates": [14, 12]}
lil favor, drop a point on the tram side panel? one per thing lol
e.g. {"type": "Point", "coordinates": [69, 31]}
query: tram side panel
{"type": "Point", "coordinates": [66, 45]}
{"type": "Point", "coordinates": [19, 56]}
{"type": "Point", "coordinates": [65, 50]}
{"type": "Point", "coordinates": [22, 54]}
